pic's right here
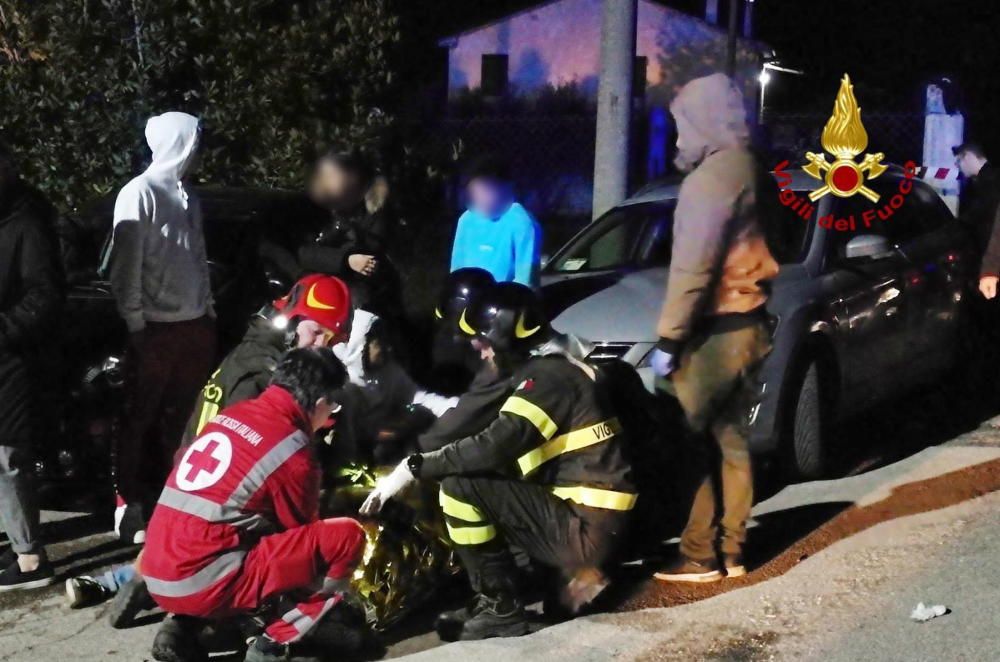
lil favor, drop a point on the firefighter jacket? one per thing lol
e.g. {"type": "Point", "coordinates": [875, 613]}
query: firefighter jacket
{"type": "Point", "coordinates": [243, 374]}
{"type": "Point", "coordinates": [251, 472]}
{"type": "Point", "coordinates": [556, 429]}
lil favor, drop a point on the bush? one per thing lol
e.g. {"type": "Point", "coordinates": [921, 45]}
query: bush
{"type": "Point", "coordinates": [272, 80]}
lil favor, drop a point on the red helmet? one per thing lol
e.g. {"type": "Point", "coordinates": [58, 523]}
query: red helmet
{"type": "Point", "coordinates": [322, 299]}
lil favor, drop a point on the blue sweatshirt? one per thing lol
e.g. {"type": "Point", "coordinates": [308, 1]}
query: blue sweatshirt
{"type": "Point", "coordinates": [509, 247]}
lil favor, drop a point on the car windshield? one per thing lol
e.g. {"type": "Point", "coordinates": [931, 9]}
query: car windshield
{"type": "Point", "coordinates": [636, 236]}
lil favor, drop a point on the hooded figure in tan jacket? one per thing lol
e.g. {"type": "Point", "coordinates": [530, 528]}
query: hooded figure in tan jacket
{"type": "Point", "coordinates": [713, 332]}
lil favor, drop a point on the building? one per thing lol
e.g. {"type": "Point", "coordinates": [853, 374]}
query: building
{"type": "Point", "coordinates": [558, 43]}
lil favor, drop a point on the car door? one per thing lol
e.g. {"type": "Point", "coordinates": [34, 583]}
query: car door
{"type": "Point", "coordinates": [927, 235]}
{"type": "Point", "coordinates": [872, 304]}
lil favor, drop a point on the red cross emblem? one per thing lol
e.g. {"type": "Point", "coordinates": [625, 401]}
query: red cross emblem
{"type": "Point", "coordinates": [205, 462]}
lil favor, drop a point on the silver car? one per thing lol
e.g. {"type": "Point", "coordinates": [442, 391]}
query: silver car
{"type": "Point", "coordinates": [860, 317]}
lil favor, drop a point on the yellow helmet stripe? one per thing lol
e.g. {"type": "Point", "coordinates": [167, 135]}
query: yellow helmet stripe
{"type": "Point", "coordinates": [464, 326]}
{"type": "Point", "coordinates": [521, 332]}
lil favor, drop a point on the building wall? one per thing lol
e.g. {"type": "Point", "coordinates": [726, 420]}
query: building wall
{"type": "Point", "coordinates": [560, 43]}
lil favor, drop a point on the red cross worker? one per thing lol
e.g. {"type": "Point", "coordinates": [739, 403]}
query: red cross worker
{"type": "Point", "coordinates": [236, 526]}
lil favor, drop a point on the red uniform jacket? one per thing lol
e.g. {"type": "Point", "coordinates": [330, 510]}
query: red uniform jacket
{"type": "Point", "coordinates": [251, 472]}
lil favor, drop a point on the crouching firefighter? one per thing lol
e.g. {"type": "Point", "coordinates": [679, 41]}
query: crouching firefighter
{"type": "Point", "coordinates": [548, 475]}
{"type": "Point", "coordinates": [236, 528]}
{"type": "Point", "coordinates": [315, 313]}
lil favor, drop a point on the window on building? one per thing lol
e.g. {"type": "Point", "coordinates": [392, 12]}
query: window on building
{"type": "Point", "coordinates": [494, 74]}
{"type": "Point", "coordinates": [639, 77]}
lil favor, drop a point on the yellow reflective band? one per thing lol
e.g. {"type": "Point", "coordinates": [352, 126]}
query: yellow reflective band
{"type": "Point", "coordinates": [459, 509]}
{"type": "Point", "coordinates": [596, 498]}
{"type": "Point", "coordinates": [534, 414]}
{"type": "Point", "coordinates": [471, 535]}
{"type": "Point", "coordinates": [567, 443]}
{"type": "Point", "coordinates": [208, 412]}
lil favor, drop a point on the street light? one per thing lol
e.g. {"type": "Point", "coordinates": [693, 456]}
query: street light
{"type": "Point", "coordinates": [764, 78]}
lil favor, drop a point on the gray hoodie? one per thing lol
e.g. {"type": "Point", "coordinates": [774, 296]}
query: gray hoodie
{"type": "Point", "coordinates": [159, 269]}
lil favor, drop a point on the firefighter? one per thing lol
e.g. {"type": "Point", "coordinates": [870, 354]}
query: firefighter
{"type": "Point", "coordinates": [236, 528]}
{"type": "Point", "coordinates": [548, 475]}
{"type": "Point", "coordinates": [316, 312]}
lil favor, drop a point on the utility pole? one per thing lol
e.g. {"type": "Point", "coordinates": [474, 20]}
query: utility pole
{"type": "Point", "coordinates": [734, 11]}
{"type": "Point", "coordinates": [614, 104]}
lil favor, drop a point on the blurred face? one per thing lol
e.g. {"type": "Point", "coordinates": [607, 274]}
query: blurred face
{"type": "Point", "coordinates": [319, 417]}
{"type": "Point", "coordinates": [970, 164]}
{"type": "Point", "coordinates": [310, 334]}
{"type": "Point", "coordinates": [334, 187]}
{"type": "Point", "coordinates": [489, 197]}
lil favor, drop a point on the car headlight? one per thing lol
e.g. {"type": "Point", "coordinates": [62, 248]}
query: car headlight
{"type": "Point", "coordinates": [609, 351]}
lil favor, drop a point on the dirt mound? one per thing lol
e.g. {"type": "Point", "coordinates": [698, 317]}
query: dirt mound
{"type": "Point", "coordinates": [910, 499]}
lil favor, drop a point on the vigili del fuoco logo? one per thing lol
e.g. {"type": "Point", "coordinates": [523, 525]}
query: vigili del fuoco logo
{"type": "Point", "coordinates": [844, 137]}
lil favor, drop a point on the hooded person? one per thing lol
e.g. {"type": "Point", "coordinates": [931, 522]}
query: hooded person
{"type": "Point", "coordinates": [713, 329]}
{"type": "Point", "coordinates": [160, 279]}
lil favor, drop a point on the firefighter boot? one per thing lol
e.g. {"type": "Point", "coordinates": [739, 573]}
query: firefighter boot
{"type": "Point", "coordinates": [177, 640]}
{"type": "Point", "coordinates": [498, 610]}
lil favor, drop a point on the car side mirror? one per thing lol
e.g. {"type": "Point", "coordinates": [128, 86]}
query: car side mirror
{"type": "Point", "coordinates": [867, 245]}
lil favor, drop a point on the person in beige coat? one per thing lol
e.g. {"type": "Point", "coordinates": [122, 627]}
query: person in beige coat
{"type": "Point", "coordinates": [713, 330]}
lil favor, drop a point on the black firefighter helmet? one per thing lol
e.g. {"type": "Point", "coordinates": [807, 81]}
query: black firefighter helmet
{"type": "Point", "coordinates": [509, 316]}
{"type": "Point", "coordinates": [460, 290]}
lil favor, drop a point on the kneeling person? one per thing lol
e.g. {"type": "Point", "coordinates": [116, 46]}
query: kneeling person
{"type": "Point", "coordinates": [548, 475]}
{"type": "Point", "coordinates": [236, 528]}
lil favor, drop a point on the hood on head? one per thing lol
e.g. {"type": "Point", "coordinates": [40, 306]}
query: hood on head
{"type": "Point", "coordinates": [173, 139]}
{"type": "Point", "coordinates": [710, 116]}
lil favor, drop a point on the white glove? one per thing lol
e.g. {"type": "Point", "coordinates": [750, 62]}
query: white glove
{"type": "Point", "coordinates": [387, 487]}
{"type": "Point", "coordinates": [662, 363]}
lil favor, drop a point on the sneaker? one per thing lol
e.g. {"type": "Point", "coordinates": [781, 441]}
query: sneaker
{"type": "Point", "coordinates": [132, 598]}
{"type": "Point", "coordinates": [8, 557]}
{"type": "Point", "coordinates": [129, 524]}
{"type": "Point", "coordinates": [733, 563]}
{"type": "Point", "coordinates": [177, 641]}
{"type": "Point", "coordinates": [12, 578]}
{"type": "Point", "coordinates": [85, 591]}
{"type": "Point", "coordinates": [691, 570]}
{"type": "Point", "coordinates": [501, 616]}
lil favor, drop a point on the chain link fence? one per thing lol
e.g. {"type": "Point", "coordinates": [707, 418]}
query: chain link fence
{"type": "Point", "coordinates": [790, 135]}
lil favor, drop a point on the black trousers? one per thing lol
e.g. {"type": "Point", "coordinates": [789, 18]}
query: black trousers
{"type": "Point", "coordinates": [487, 515]}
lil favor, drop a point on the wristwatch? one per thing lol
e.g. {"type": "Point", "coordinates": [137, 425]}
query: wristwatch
{"type": "Point", "coordinates": [414, 462]}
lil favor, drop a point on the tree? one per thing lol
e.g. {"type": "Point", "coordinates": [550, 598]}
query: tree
{"type": "Point", "coordinates": [272, 81]}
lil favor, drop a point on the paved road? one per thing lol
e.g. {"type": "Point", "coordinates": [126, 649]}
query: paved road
{"type": "Point", "coordinates": [849, 601]}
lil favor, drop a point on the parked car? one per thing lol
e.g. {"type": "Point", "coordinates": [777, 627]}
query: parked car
{"type": "Point", "coordinates": [860, 317]}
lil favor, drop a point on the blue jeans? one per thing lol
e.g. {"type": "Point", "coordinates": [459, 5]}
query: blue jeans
{"type": "Point", "coordinates": [115, 578]}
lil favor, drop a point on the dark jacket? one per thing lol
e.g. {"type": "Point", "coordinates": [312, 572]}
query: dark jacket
{"type": "Point", "coordinates": [557, 430]}
{"type": "Point", "coordinates": [980, 201]}
{"type": "Point", "coordinates": [243, 374]}
{"type": "Point", "coordinates": [30, 295]}
{"type": "Point", "coordinates": [980, 215]}
{"type": "Point", "coordinates": [350, 233]}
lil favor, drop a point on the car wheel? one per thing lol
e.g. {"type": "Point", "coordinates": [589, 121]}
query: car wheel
{"type": "Point", "coordinates": [806, 454]}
